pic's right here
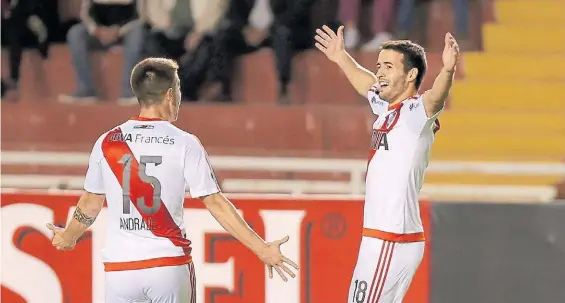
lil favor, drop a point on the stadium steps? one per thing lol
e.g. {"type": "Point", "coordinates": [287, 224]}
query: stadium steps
{"type": "Point", "coordinates": [502, 144]}
{"type": "Point", "coordinates": [509, 96]}
{"type": "Point", "coordinates": [523, 12]}
{"type": "Point", "coordinates": [494, 179]}
{"type": "Point", "coordinates": [510, 105]}
{"type": "Point", "coordinates": [524, 38]}
{"type": "Point", "coordinates": [480, 66]}
{"type": "Point", "coordinates": [464, 122]}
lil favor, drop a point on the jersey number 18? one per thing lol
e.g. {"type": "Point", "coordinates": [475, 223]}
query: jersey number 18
{"type": "Point", "coordinates": [359, 292]}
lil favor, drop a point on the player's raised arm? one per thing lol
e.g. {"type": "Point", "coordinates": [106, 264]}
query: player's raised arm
{"type": "Point", "coordinates": [434, 99]}
{"type": "Point", "coordinates": [202, 184]}
{"type": "Point", "coordinates": [332, 45]}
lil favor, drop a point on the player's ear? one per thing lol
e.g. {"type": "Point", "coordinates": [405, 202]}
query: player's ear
{"type": "Point", "coordinates": [412, 74]}
{"type": "Point", "coordinates": [170, 95]}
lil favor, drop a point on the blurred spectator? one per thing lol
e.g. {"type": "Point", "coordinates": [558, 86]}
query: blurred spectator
{"type": "Point", "coordinates": [183, 30]}
{"type": "Point", "coordinates": [170, 22]}
{"type": "Point", "coordinates": [25, 24]}
{"type": "Point", "coordinates": [3, 88]}
{"type": "Point", "coordinates": [233, 38]}
{"type": "Point", "coordinates": [195, 65]}
{"type": "Point", "coordinates": [291, 32]}
{"type": "Point", "coordinates": [105, 23]}
{"type": "Point", "coordinates": [405, 15]}
{"type": "Point", "coordinates": [382, 13]}
{"type": "Point", "coordinates": [461, 10]}
{"type": "Point", "coordinates": [284, 25]}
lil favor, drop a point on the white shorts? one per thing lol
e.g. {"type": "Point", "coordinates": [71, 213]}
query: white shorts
{"type": "Point", "coordinates": [384, 270]}
{"type": "Point", "coordinates": [168, 284]}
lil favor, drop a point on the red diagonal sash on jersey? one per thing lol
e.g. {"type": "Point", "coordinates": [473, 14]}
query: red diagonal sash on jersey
{"type": "Point", "coordinates": [163, 225]}
{"type": "Point", "coordinates": [384, 129]}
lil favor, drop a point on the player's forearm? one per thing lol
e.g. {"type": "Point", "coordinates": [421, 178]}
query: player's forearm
{"type": "Point", "coordinates": [436, 96]}
{"type": "Point", "coordinates": [226, 214]}
{"type": "Point", "coordinates": [85, 214]}
{"type": "Point", "coordinates": [361, 78]}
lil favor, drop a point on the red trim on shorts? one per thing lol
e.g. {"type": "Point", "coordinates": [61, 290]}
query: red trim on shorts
{"type": "Point", "coordinates": [372, 289]}
{"type": "Point", "coordinates": [381, 281]}
{"type": "Point", "coordinates": [392, 237]}
{"type": "Point", "coordinates": [382, 286]}
{"type": "Point", "coordinates": [192, 283]}
{"type": "Point", "coordinates": [161, 221]}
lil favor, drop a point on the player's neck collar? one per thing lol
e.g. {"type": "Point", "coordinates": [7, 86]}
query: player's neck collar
{"type": "Point", "coordinates": [138, 118]}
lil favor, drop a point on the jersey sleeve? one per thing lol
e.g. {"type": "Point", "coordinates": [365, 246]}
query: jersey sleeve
{"type": "Point", "coordinates": [93, 181]}
{"type": "Point", "coordinates": [198, 172]}
{"type": "Point", "coordinates": [378, 106]}
{"type": "Point", "coordinates": [419, 118]}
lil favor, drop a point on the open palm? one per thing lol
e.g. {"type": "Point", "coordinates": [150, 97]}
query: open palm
{"type": "Point", "coordinates": [450, 55]}
{"type": "Point", "coordinates": [273, 258]}
{"type": "Point", "coordinates": [330, 43]}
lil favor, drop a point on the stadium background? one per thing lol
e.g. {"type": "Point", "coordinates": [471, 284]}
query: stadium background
{"type": "Point", "coordinates": [491, 207]}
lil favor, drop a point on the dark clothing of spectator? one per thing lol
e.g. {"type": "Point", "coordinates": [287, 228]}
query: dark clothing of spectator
{"type": "Point", "coordinates": [119, 14]}
{"type": "Point", "coordinates": [185, 33]}
{"type": "Point", "coordinates": [405, 16]}
{"type": "Point", "coordinates": [26, 24]}
{"type": "Point", "coordinates": [291, 31]}
{"type": "Point", "coordinates": [227, 44]}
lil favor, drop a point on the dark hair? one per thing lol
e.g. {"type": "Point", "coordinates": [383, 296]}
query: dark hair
{"type": "Point", "coordinates": [414, 57]}
{"type": "Point", "coordinates": [151, 78]}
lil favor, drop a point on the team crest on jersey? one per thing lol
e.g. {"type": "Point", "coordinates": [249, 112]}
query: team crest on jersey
{"type": "Point", "coordinates": [391, 119]}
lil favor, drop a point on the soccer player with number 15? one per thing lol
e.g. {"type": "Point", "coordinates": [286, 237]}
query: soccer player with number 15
{"type": "Point", "coordinates": [147, 163]}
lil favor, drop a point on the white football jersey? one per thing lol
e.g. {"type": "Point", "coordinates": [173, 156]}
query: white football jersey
{"type": "Point", "coordinates": [143, 167]}
{"type": "Point", "coordinates": [400, 149]}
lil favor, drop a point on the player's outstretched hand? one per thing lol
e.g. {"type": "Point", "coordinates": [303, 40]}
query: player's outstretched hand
{"type": "Point", "coordinates": [59, 241]}
{"type": "Point", "coordinates": [273, 258]}
{"type": "Point", "coordinates": [450, 53]}
{"type": "Point", "coordinates": [330, 43]}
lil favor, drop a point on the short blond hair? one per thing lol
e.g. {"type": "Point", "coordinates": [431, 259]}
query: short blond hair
{"type": "Point", "coordinates": [151, 78]}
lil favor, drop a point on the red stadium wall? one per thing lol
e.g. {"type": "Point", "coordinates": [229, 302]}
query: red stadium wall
{"type": "Point", "coordinates": [325, 237]}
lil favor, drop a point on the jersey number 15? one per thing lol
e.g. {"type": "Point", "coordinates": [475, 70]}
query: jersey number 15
{"type": "Point", "coordinates": [126, 160]}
